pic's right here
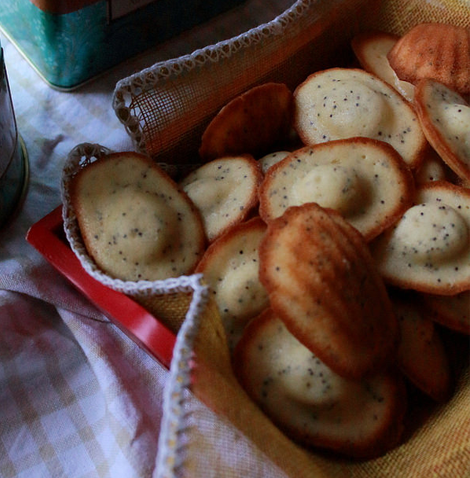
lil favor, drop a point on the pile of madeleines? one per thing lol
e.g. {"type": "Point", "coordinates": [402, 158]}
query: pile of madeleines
{"type": "Point", "coordinates": [332, 226]}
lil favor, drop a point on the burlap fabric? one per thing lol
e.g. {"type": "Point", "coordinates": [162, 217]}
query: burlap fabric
{"type": "Point", "coordinates": [210, 426]}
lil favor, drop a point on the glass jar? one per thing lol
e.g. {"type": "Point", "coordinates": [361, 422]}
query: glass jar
{"type": "Point", "coordinates": [13, 163]}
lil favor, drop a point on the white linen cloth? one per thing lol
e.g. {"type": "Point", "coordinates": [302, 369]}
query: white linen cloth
{"type": "Point", "coordinates": [77, 397]}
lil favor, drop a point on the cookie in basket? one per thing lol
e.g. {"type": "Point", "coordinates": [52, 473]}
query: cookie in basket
{"type": "Point", "coordinates": [371, 49]}
{"type": "Point", "coordinates": [437, 51]}
{"type": "Point", "coordinates": [342, 103]}
{"type": "Point", "coordinates": [322, 282]}
{"type": "Point", "coordinates": [445, 119]}
{"type": "Point", "coordinates": [421, 348]}
{"type": "Point", "coordinates": [365, 180]}
{"type": "Point", "coordinates": [230, 267]}
{"type": "Point", "coordinates": [428, 249]}
{"type": "Point", "coordinates": [311, 403]}
{"type": "Point", "coordinates": [253, 123]}
{"type": "Point", "coordinates": [433, 168]}
{"type": "Point", "coordinates": [271, 159]}
{"type": "Point", "coordinates": [225, 191]}
{"type": "Point", "coordinates": [134, 220]}
{"type": "Point", "coordinates": [451, 311]}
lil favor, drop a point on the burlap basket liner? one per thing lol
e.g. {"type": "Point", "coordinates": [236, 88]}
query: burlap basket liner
{"type": "Point", "coordinates": [165, 108]}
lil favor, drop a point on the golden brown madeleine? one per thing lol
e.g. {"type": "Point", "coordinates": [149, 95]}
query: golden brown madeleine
{"type": "Point", "coordinates": [421, 354]}
{"type": "Point", "coordinates": [371, 49]}
{"type": "Point", "coordinates": [323, 284]}
{"type": "Point", "coordinates": [365, 180]}
{"type": "Point", "coordinates": [432, 169]}
{"type": "Point", "coordinates": [445, 119]}
{"type": "Point", "coordinates": [436, 51]}
{"type": "Point", "coordinates": [231, 267]}
{"type": "Point", "coordinates": [343, 103]}
{"type": "Point", "coordinates": [135, 222]}
{"type": "Point", "coordinates": [451, 311]}
{"type": "Point", "coordinates": [271, 159]}
{"type": "Point", "coordinates": [310, 402]}
{"type": "Point", "coordinates": [254, 122]}
{"type": "Point", "coordinates": [428, 249]}
{"type": "Point", "coordinates": [225, 191]}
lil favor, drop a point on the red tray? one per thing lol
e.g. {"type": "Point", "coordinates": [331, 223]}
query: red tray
{"type": "Point", "coordinates": [48, 237]}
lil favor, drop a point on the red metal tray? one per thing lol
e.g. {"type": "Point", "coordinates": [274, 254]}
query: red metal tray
{"type": "Point", "coordinates": [47, 236]}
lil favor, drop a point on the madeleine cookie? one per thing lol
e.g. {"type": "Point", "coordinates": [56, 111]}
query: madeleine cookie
{"type": "Point", "coordinates": [445, 119]}
{"type": "Point", "coordinates": [428, 249]}
{"type": "Point", "coordinates": [323, 284]}
{"type": "Point", "coordinates": [365, 180]}
{"type": "Point", "coordinates": [230, 267]}
{"type": "Point", "coordinates": [451, 311]}
{"type": "Point", "coordinates": [135, 222]}
{"type": "Point", "coordinates": [436, 51]}
{"type": "Point", "coordinates": [271, 159]}
{"type": "Point", "coordinates": [252, 123]}
{"type": "Point", "coordinates": [432, 168]}
{"type": "Point", "coordinates": [310, 402]}
{"type": "Point", "coordinates": [342, 103]}
{"type": "Point", "coordinates": [371, 49]}
{"type": "Point", "coordinates": [421, 354]}
{"type": "Point", "coordinates": [225, 191]}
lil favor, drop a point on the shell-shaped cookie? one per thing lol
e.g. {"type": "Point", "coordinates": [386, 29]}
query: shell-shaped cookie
{"type": "Point", "coordinates": [371, 49]}
{"type": "Point", "coordinates": [311, 403]}
{"type": "Point", "coordinates": [136, 223]}
{"type": "Point", "coordinates": [255, 122]}
{"type": "Point", "coordinates": [421, 353]}
{"type": "Point", "coordinates": [323, 284]}
{"type": "Point", "coordinates": [428, 249]}
{"type": "Point", "coordinates": [445, 119]}
{"type": "Point", "coordinates": [225, 191]}
{"type": "Point", "coordinates": [271, 159]}
{"type": "Point", "coordinates": [365, 180]}
{"type": "Point", "coordinates": [451, 311]}
{"type": "Point", "coordinates": [433, 168]}
{"type": "Point", "coordinates": [343, 103]}
{"type": "Point", "coordinates": [231, 266]}
{"type": "Point", "coordinates": [436, 51]}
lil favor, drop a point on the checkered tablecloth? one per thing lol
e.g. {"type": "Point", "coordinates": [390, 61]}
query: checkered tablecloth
{"type": "Point", "coordinates": [77, 397]}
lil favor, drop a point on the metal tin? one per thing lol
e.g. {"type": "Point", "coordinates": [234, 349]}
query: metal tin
{"type": "Point", "coordinates": [68, 42]}
{"type": "Point", "coordinates": [13, 159]}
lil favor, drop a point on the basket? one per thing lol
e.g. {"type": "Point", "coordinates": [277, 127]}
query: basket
{"type": "Point", "coordinates": [165, 109]}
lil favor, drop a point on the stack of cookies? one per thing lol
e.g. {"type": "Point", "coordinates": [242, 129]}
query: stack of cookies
{"type": "Point", "coordinates": [332, 226]}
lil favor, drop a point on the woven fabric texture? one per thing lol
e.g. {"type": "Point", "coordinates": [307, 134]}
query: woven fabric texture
{"type": "Point", "coordinates": [165, 108]}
